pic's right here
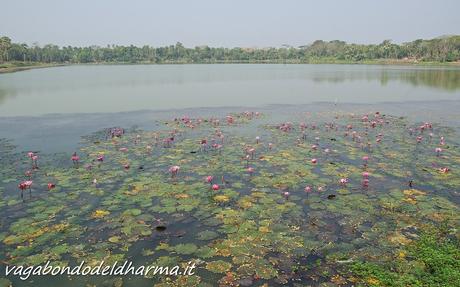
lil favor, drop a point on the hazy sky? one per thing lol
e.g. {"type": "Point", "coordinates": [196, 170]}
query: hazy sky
{"type": "Point", "coordinates": [248, 23]}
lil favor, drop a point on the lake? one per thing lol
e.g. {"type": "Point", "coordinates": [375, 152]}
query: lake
{"type": "Point", "coordinates": [120, 88]}
{"type": "Point", "coordinates": [259, 175]}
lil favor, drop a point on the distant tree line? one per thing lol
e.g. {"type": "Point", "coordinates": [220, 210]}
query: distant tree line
{"type": "Point", "coordinates": [443, 49]}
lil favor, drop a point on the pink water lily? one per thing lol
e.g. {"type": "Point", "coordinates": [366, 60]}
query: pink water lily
{"type": "Point", "coordinates": [174, 170]}
{"type": "Point", "coordinates": [25, 185]}
{"type": "Point", "coordinates": [365, 174]}
{"type": "Point", "coordinates": [215, 187]}
{"type": "Point", "coordinates": [438, 151]}
{"type": "Point", "coordinates": [209, 179]}
{"type": "Point", "coordinates": [28, 183]}
{"type": "Point", "coordinates": [251, 151]}
{"type": "Point", "coordinates": [51, 185]}
{"type": "Point", "coordinates": [100, 158]}
{"type": "Point", "coordinates": [250, 170]}
{"type": "Point", "coordinates": [229, 120]}
{"type": "Point", "coordinates": [75, 158]}
{"type": "Point", "coordinates": [343, 181]}
{"type": "Point", "coordinates": [307, 189]}
{"type": "Point", "coordinates": [444, 169]}
{"type": "Point", "coordinates": [365, 182]}
{"type": "Point", "coordinates": [34, 158]}
{"type": "Point", "coordinates": [314, 160]}
{"type": "Point", "coordinates": [22, 186]}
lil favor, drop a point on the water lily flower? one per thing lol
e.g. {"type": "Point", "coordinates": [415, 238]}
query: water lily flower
{"type": "Point", "coordinates": [203, 145]}
{"type": "Point", "coordinates": [365, 174]}
{"type": "Point", "coordinates": [286, 194]}
{"type": "Point", "coordinates": [257, 139]}
{"type": "Point", "coordinates": [22, 186]}
{"type": "Point", "coordinates": [34, 159]}
{"type": "Point", "coordinates": [343, 181]}
{"type": "Point", "coordinates": [444, 169]}
{"type": "Point", "coordinates": [419, 139]}
{"type": "Point", "coordinates": [149, 148]}
{"type": "Point", "coordinates": [442, 141]}
{"type": "Point", "coordinates": [51, 185]}
{"type": "Point", "coordinates": [270, 146]}
{"type": "Point", "coordinates": [100, 158]}
{"type": "Point", "coordinates": [314, 160]}
{"type": "Point", "coordinates": [307, 189]}
{"type": "Point", "coordinates": [247, 157]}
{"type": "Point", "coordinates": [365, 182]}
{"type": "Point", "coordinates": [174, 170]}
{"type": "Point", "coordinates": [28, 183]}
{"type": "Point", "coordinates": [229, 120]}
{"type": "Point", "coordinates": [25, 185]}
{"type": "Point", "coordinates": [75, 158]}
{"type": "Point", "coordinates": [438, 151]}
{"type": "Point", "coordinates": [209, 179]}
{"type": "Point", "coordinates": [28, 173]}
{"type": "Point", "coordinates": [126, 166]}
{"type": "Point", "coordinates": [314, 147]}
{"type": "Point", "coordinates": [215, 187]}
{"type": "Point", "coordinates": [250, 170]}
{"type": "Point", "coordinates": [365, 159]}
{"type": "Point", "coordinates": [252, 152]}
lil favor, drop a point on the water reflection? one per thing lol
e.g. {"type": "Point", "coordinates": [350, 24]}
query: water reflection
{"type": "Point", "coordinates": [441, 78]}
{"type": "Point", "coordinates": [99, 88]}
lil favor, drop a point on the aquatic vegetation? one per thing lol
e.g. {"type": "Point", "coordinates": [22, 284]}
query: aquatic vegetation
{"type": "Point", "coordinates": [316, 200]}
{"type": "Point", "coordinates": [432, 260]}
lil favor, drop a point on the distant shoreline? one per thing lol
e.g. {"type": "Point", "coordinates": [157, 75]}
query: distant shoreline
{"type": "Point", "coordinates": [18, 67]}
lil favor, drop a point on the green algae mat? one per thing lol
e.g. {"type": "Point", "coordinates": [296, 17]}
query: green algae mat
{"type": "Point", "coordinates": [329, 199]}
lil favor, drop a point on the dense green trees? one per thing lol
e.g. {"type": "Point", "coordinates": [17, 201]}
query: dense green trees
{"type": "Point", "coordinates": [445, 49]}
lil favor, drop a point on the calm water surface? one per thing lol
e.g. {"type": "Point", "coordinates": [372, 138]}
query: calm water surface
{"type": "Point", "coordinates": [117, 88]}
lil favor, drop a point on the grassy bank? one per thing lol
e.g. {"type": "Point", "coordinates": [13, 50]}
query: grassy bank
{"type": "Point", "coordinates": [11, 67]}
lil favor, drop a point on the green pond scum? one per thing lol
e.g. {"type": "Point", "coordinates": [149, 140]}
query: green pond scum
{"type": "Point", "coordinates": [329, 199]}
